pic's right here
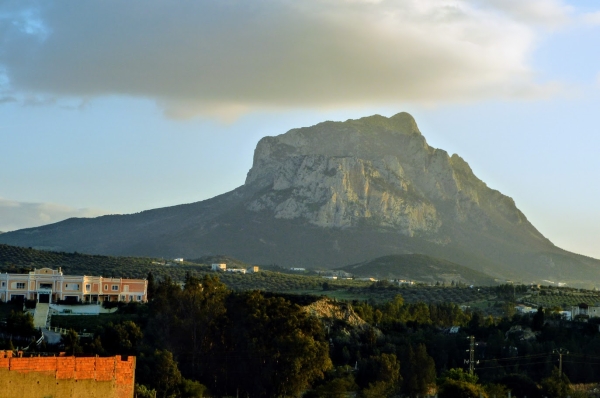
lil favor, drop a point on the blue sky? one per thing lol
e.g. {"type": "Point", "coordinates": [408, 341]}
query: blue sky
{"type": "Point", "coordinates": [118, 107]}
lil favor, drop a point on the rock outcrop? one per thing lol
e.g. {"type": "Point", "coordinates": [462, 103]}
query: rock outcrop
{"type": "Point", "coordinates": [328, 310]}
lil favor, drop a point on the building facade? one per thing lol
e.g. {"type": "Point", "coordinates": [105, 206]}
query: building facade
{"type": "Point", "coordinates": [47, 285]}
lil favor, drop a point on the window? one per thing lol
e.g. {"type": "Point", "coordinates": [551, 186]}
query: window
{"type": "Point", "coordinates": [115, 287]}
{"type": "Point", "coordinates": [20, 285]}
{"type": "Point", "coordinates": [139, 298]}
{"type": "Point", "coordinates": [88, 288]}
{"type": "Point", "coordinates": [3, 284]}
{"type": "Point", "coordinates": [105, 287]}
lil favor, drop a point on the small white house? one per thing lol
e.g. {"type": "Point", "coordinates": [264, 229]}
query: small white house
{"type": "Point", "coordinates": [236, 270]}
{"type": "Point", "coordinates": [219, 267]}
{"type": "Point", "coordinates": [178, 260]}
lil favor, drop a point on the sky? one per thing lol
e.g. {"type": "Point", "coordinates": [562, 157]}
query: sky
{"type": "Point", "coordinates": [112, 107]}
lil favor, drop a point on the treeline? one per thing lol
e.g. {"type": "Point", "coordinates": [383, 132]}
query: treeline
{"type": "Point", "coordinates": [207, 340]}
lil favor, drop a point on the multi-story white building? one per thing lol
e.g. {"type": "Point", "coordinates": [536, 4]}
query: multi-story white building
{"type": "Point", "coordinates": [48, 285]}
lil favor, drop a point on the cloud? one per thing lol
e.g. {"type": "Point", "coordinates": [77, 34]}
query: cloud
{"type": "Point", "coordinates": [232, 56]}
{"type": "Point", "coordinates": [16, 215]}
{"type": "Point", "coordinates": [7, 99]}
{"type": "Point", "coordinates": [547, 13]}
{"type": "Point", "coordinates": [592, 18]}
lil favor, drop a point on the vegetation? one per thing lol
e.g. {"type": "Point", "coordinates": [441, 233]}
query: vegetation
{"type": "Point", "coordinates": [224, 337]}
{"type": "Point", "coordinates": [419, 267]}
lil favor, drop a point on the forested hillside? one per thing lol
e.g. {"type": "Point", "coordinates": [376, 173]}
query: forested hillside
{"type": "Point", "coordinates": [207, 341]}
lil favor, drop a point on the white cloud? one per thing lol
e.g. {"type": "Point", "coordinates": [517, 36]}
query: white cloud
{"type": "Point", "coordinates": [232, 56]}
{"type": "Point", "coordinates": [16, 215]}
{"type": "Point", "coordinates": [548, 13]}
{"type": "Point", "coordinates": [592, 18]}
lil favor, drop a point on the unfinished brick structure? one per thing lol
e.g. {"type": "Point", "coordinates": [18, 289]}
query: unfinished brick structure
{"type": "Point", "coordinates": [69, 377]}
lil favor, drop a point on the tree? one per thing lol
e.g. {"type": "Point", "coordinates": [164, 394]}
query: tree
{"type": "Point", "coordinates": [141, 391]}
{"type": "Point", "coordinates": [419, 374]}
{"type": "Point", "coordinates": [557, 385]}
{"type": "Point", "coordinates": [159, 371]}
{"type": "Point", "coordinates": [71, 342]}
{"type": "Point", "coordinates": [459, 374]}
{"type": "Point", "coordinates": [122, 338]}
{"type": "Point", "coordinates": [339, 387]}
{"type": "Point", "coordinates": [460, 389]}
{"type": "Point", "coordinates": [201, 310]}
{"type": "Point", "coordinates": [20, 324]}
{"type": "Point", "coordinates": [151, 286]}
{"type": "Point", "coordinates": [275, 348]}
{"type": "Point", "coordinates": [538, 319]}
{"type": "Point", "coordinates": [192, 389]}
{"type": "Point", "coordinates": [379, 375]}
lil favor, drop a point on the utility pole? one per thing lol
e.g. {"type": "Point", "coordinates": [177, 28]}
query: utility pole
{"type": "Point", "coordinates": [472, 355]}
{"type": "Point", "coordinates": [560, 352]}
{"type": "Point", "coordinates": [471, 360]}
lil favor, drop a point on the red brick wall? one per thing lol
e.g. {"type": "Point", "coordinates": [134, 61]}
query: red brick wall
{"type": "Point", "coordinates": [119, 373]}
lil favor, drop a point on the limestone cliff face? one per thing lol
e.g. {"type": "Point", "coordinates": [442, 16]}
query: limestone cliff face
{"type": "Point", "coordinates": [373, 171]}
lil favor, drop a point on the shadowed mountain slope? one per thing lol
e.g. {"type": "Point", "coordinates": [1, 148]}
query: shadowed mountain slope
{"type": "Point", "coordinates": [333, 194]}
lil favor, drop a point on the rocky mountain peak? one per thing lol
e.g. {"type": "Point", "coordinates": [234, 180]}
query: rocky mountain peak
{"type": "Point", "coordinates": [375, 170]}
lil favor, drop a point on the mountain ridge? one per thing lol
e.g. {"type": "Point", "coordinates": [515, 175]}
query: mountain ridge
{"type": "Point", "coordinates": [334, 194]}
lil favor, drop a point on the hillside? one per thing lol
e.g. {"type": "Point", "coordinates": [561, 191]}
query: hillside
{"type": "Point", "coordinates": [419, 268]}
{"type": "Point", "coordinates": [334, 194]}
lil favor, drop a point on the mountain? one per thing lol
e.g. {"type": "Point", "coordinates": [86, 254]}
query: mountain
{"type": "Point", "coordinates": [334, 194]}
{"type": "Point", "coordinates": [419, 268]}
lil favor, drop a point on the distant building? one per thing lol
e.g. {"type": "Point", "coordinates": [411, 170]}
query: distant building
{"type": "Point", "coordinates": [524, 309]}
{"type": "Point", "coordinates": [253, 269]}
{"type": "Point", "coordinates": [585, 311]}
{"type": "Point", "coordinates": [219, 267]}
{"type": "Point", "coordinates": [298, 269]}
{"type": "Point", "coordinates": [47, 285]}
{"type": "Point", "coordinates": [178, 260]}
{"type": "Point", "coordinates": [236, 270]}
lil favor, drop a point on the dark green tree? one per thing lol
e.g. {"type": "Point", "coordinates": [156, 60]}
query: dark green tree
{"type": "Point", "coordinates": [460, 389]}
{"type": "Point", "coordinates": [71, 342]}
{"type": "Point", "coordinates": [379, 375]}
{"type": "Point", "coordinates": [418, 372]}
{"type": "Point", "coordinates": [557, 385]}
{"type": "Point", "coordinates": [151, 286]}
{"type": "Point", "coordinates": [122, 338]}
{"type": "Point", "coordinates": [275, 348]}
{"type": "Point", "coordinates": [20, 324]}
{"type": "Point", "coordinates": [159, 371]}
{"type": "Point", "coordinates": [537, 322]}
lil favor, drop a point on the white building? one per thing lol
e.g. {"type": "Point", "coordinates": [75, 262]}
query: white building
{"type": "Point", "coordinates": [236, 270]}
{"type": "Point", "coordinates": [48, 285]}
{"type": "Point", "coordinates": [218, 267]}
